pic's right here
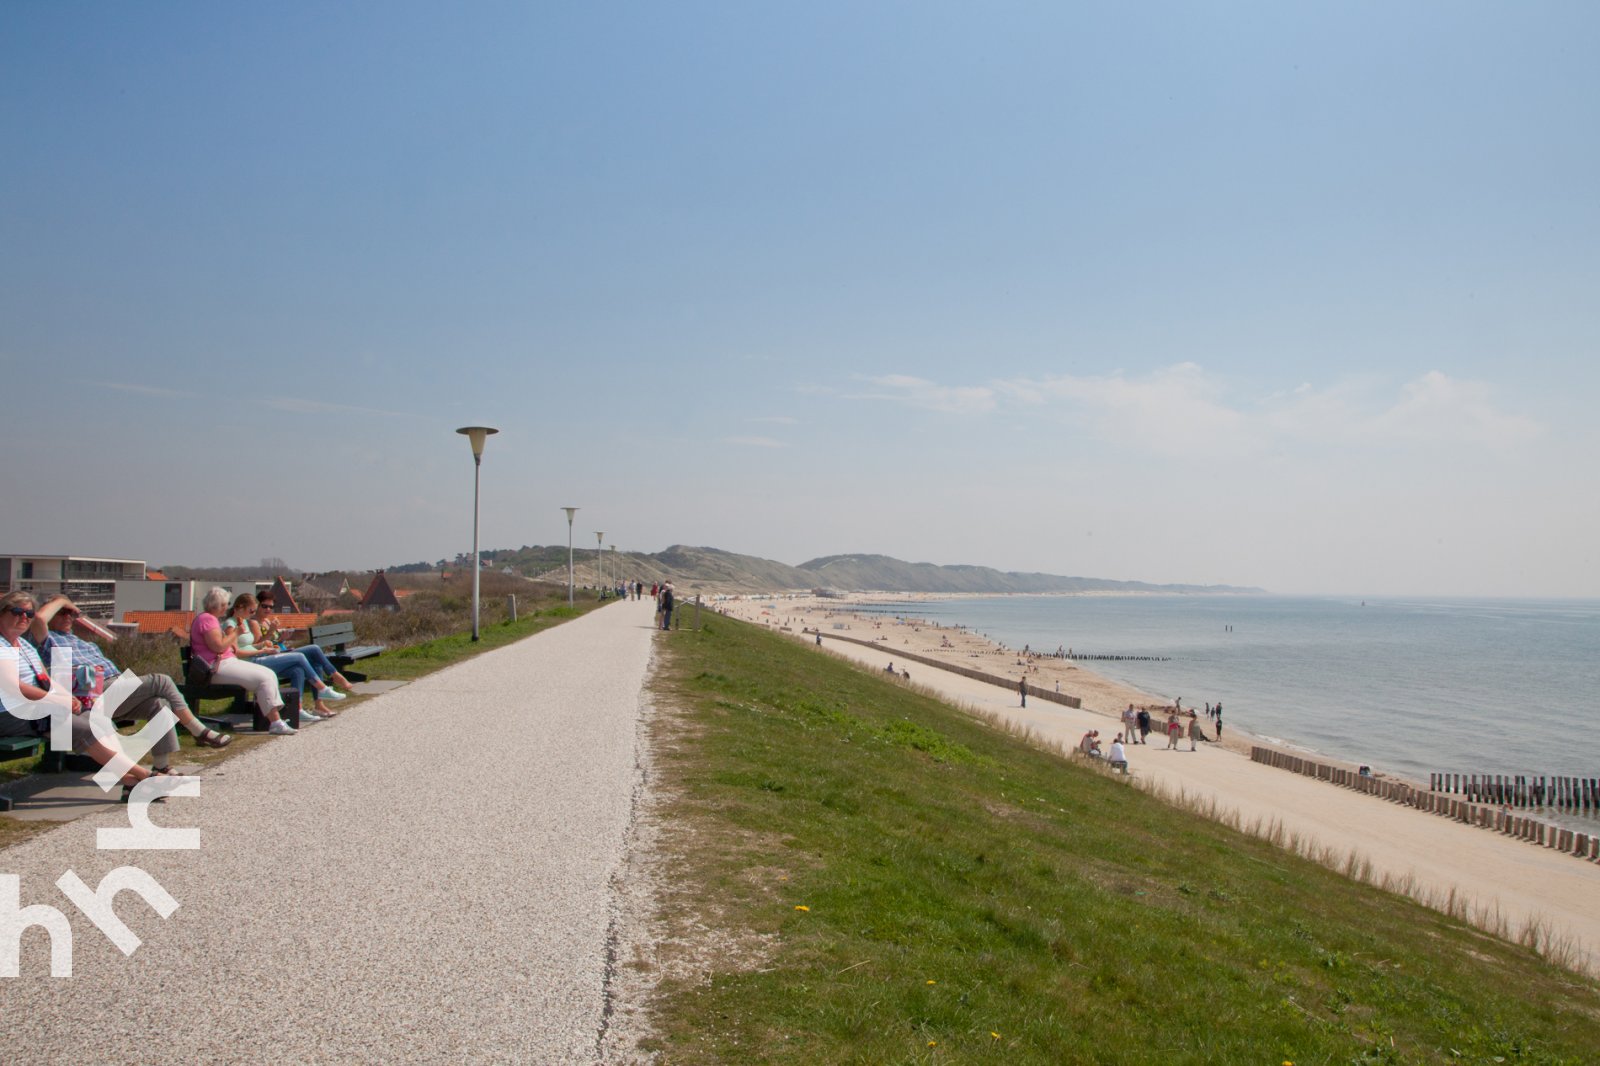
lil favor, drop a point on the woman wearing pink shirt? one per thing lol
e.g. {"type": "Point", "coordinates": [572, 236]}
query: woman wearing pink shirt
{"type": "Point", "coordinates": [215, 649]}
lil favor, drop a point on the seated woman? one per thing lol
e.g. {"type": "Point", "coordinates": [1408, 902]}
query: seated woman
{"type": "Point", "coordinates": [290, 666]}
{"type": "Point", "coordinates": [265, 626]}
{"type": "Point", "coordinates": [215, 648]}
{"type": "Point", "coordinates": [16, 615]}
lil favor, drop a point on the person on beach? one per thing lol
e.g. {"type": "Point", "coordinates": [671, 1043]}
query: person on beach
{"type": "Point", "coordinates": [1174, 731]}
{"type": "Point", "coordinates": [1196, 731]}
{"type": "Point", "coordinates": [1022, 690]}
{"type": "Point", "coordinates": [1144, 725]}
{"type": "Point", "coordinates": [215, 649]}
{"type": "Point", "coordinates": [93, 673]}
{"type": "Point", "coordinates": [1130, 721]}
{"type": "Point", "coordinates": [1119, 755]}
{"type": "Point", "coordinates": [20, 660]}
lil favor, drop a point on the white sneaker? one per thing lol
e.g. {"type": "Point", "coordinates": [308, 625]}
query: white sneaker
{"type": "Point", "coordinates": [280, 728]}
{"type": "Point", "coordinates": [330, 693]}
{"type": "Point", "coordinates": [307, 716]}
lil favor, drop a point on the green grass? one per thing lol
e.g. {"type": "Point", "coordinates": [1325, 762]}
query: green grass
{"type": "Point", "coordinates": [973, 899]}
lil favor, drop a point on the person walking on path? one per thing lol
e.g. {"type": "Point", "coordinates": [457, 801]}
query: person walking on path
{"type": "Point", "coordinates": [1022, 690]}
{"type": "Point", "coordinates": [1130, 721]}
{"type": "Point", "coordinates": [666, 606]}
{"type": "Point", "coordinates": [1174, 731]}
{"type": "Point", "coordinates": [1144, 725]}
{"type": "Point", "coordinates": [1196, 731]}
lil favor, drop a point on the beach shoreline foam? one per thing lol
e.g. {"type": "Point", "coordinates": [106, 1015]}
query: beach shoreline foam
{"type": "Point", "coordinates": [1508, 886]}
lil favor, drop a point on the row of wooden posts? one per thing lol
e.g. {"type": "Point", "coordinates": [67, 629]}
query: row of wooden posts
{"type": "Point", "coordinates": [1571, 793]}
{"type": "Point", "coordinates": [1500, 820]}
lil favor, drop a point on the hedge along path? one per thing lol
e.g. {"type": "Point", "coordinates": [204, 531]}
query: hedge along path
{"type": "Point", "coordinates": [424, 879]}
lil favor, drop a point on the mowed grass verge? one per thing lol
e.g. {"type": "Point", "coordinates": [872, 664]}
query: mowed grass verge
{"type": "Point", "coordinates": [858, 873]}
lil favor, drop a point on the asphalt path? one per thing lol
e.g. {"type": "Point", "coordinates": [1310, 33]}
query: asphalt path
{"type": "Point", "coordinates": [426, 878]}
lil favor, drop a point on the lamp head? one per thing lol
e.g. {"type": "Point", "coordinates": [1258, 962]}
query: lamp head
{"type": "Point", "coordinates": [570, 512]}
{"type": "Point", "coordinates": [477, 435]}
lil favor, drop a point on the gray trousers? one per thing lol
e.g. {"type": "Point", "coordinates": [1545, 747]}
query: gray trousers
{"type": "Point", "coordinates": [155, 691]}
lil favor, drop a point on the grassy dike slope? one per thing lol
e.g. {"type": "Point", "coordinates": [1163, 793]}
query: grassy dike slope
{"type": "Point", "coordinates": [893, 881]}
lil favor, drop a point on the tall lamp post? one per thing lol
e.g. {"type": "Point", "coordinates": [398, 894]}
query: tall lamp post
{"type": "Point", "coordinates": [570, 512]}
{"type": "Point", "coordinates": [600, 560]}
{"type": "Point", "coordinates": [476, 435]}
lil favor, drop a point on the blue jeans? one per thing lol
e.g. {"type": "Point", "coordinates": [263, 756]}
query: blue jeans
{"type": "Point", "coordinates": [318, 660]}
{"type": "Point", "coordinates": [291, 666]}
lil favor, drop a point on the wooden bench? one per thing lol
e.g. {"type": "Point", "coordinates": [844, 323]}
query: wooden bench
{"type": "Point", "coordinates": [243, 703]}
{"type": "Point", "coordinates": [336, 639]}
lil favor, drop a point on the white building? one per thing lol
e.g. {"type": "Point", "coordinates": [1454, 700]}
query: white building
{"type": "Point", "coordinates": [91, 582]}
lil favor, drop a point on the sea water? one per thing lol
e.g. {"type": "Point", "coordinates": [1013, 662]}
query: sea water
{"type": "Point", "coordinates": [1407, 686]}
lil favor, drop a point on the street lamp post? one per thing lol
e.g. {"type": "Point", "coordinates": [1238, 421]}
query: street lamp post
{"type": "Point", "coordinates": [476, 435]}
{"type": "Point", "coordinates": [570, 512]}
{"type": "Point", "coordinates": [600, 560]}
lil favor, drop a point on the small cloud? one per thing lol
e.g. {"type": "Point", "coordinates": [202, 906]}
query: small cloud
{"type": "Point", "coordinates": [146, 390]}
{"type": "Point", "coordinates": [930, 396]}
{"type": "Point", "coordinates": [755, 442]}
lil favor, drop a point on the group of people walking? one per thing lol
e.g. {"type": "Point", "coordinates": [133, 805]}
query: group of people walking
{"type": "Point", "coordinates": [1137, 726]}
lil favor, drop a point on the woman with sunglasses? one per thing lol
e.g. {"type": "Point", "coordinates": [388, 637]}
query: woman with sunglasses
{"type": "Point", "coordinates": [265, 627]}
{"type": "Point", "coordinates": [16, 615]}
{"type": "Point", "coordinates": [290, 666]}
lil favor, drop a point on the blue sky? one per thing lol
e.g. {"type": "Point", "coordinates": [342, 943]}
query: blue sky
{"type": "Point", "coordinates": [1298, 296]}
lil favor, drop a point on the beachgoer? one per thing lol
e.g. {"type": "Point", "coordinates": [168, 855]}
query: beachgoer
{"type": "Point", "coordinates": [1196, 731]}
{"type": "Point", "coordinates": [1174, 731]}
{"type": "Point", "coordinates": [215, 649]}
{"type": "Point", "coordinates": [1219, 721]}
{"type": "Point", "coordinates": [93, 673]}
{"type": "Point", "coordinates": [1119, 755]}
{"type": "Point", "coordinates": [265, 627]}
{"type": "Point", "coordinates": [289, 666]}
{"type": "Point", "coordinates": [1144, 725]}
{"type": "Point", "coordinates": [1022, 689]}
{"type": "Point", "coordinates": [17, 613]}
{"type": "Point", "coordinates": [666, 605]}
{"type": "Point", "coordinates": [1130, 722]}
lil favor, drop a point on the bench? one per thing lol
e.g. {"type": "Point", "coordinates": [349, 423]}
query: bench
{"type": "Point", "coordinates": [242, 701]}
{"type": "Point", "coordinates": [336, 639]}
{"type": "Point", "coordinates": [18, 747]}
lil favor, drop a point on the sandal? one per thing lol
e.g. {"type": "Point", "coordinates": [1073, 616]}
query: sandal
{"type": "Point", "coordinates": [213, 739]}
{"type": "Point", "coordinates": [127, 790]}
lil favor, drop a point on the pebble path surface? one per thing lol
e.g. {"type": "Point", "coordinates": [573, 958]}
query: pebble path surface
{"type": "Point", "coordinates": [424, 879]}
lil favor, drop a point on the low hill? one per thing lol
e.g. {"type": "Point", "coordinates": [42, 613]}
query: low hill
{"type": "Point", "coordinates": [715, 570]}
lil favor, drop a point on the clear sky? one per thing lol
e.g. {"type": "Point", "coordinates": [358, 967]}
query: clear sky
{"type": "Point", "coordinates": [1304, 296]}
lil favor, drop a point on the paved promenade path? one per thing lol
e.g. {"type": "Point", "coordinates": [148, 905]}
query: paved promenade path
{"type": "Point", "coordinates": [425, 879]}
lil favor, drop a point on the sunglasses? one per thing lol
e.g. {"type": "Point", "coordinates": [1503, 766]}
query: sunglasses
{"type": "Point", "coordinates": [21, 612]}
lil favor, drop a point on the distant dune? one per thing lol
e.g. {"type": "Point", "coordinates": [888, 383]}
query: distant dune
{"type": "Point", "coordinates": [715, 570]}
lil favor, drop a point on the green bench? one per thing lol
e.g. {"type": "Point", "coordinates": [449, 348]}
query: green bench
{"type": "Point", "coordinates": [337, 639]}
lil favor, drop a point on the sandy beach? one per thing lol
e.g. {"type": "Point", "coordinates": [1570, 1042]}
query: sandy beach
{"type": "Point", "coordinates": [1507, 883]}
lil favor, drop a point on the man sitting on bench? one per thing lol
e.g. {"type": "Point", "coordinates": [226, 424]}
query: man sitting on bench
{"type": "Point", "coordinates": [20, 660]}
{"type": "Point", "coordinates": [93, 673]}
{"type": "Point", "coordinates": [1119, 755]}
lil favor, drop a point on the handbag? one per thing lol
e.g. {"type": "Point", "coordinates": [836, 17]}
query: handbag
{"type": "Point", "coordinates": [198, 672]}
